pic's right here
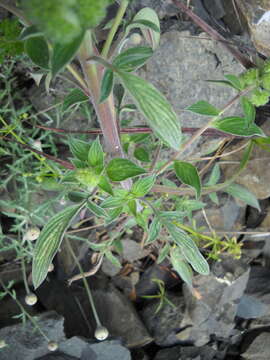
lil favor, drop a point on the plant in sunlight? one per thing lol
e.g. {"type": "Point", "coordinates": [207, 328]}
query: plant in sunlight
{"type": "Point", "coordinates": [122, 176]}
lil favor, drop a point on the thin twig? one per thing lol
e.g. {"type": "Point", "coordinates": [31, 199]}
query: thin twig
{"type": "Point", "coordinates": [244, 60]}
{"type": "Point", "coordinates": [136, 130]}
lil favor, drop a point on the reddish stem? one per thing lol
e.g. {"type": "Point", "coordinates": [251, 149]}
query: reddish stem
{"type": "Point", "coordinates": [136, 130]}
{"type": "Point", "coordinates": [244, 60]}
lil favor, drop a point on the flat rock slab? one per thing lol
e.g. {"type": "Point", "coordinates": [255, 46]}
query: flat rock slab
{"type": "Point", "coordinates": [180, 68]}
{"type": "Point", "coordinates": [25, 344]}
{"type": "Point", "coordinates": [213, 310]}
{"type": "Point", "coordinates": [259, 348]}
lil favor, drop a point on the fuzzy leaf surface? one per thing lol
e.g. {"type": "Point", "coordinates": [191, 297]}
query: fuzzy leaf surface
{"type": "Point", "coordinates": [49, 243]}
{"type": "Point", "coordinates": [158, 112]}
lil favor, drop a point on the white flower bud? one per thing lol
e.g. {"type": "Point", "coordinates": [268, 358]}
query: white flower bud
{"type": "Point", "coordinates": [2, 344]}
{"type": "Point", "coordinates": [31, 299]}
{"type": "Point", "coordinates": [51, 268]}
{"type": "Point", "coordinates": [32, 234]}
{"type": "Point", "coordinates": [101, 333]}
{"type": "Point", "coordinates": [52, 346]}
{"type": "Point", "coordinates": [135, 39]}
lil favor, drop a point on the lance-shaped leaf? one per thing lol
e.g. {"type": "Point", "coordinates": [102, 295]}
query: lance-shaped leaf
{"type": "Point", "coordinates": [75, 97]}
{"type": "Point", "coordinates": [188, 174]}
{"type": "Point", "coordinates": [148, 22]}
{"type": "Point", "coordinates": [122, 169]}
{"type": "Point", "coordinates": [38, 51]}
{"type": "Point", "coordinates": [249, 110]}
{"type": "Point", "coordinates": [180, 266]}
{"type": "Point", "coordinates": [141, 154]}
{"type": "Point", "coordinates": [189, 249]}
{"type": "Point", "coordinates": [237, 126]}
{"type": "Point", "coordinates": [203, 108]}
{"type": "Point", "coordinates": [49, 242]}
{"type": "Point", "coordinates": [96, 209]}
{"type": "Point", "coordinates": [157, 110]}
{"type": "Point", "coordinates": [106, 85]}
{"type": "Point", "coordinates": [143, 186]}
{"type": "Point", "coordinates": [213, 179]}
{"type": "Point", "coordinates": [133, 58]}
{"type": "Point", "coordinates": [154, 230]}
{"type": "Point", "coordinates": [240, 192]}
{"type": "Point", "coordinates": [95, 154]}
{"type": "Point", "coordinates": [63, 53]}
{"type": "Point", "coordinates": [79, 148]}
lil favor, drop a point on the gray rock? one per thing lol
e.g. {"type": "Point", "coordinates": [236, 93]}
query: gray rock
{"type": "Point", "coordinates": [214, 308]}
{"type": "Point", "coordinates": [162, 325]}
{"type": "Point", "coordinates": [251, 308]}
{"type": "Point", "coordinates": [106, 350]}
{"type": "Point", "coordinates": [109, 268]}
{"type": "Point", "coordinates": [187, 353]}
{"type": "Point", "coordinates": [162, 7]}
{"type": "Point", "coordinates": [132, 250]}
{"type": "Point", "coordinates": [259, 290]}
{"type": "Point", "coordinates": [259, 348]}
{"type": "Point", "coordinates": [180, 67]}
{"type": "Point", "coordinates": [58, 356]}
{"type": "Point", "coordinates": [24, 343]}
{"type": "Point", "coordinates": [257, 15]}
{"type": "Point", "coordinates": [119, 316]}
{"type": "Point", "coordinates": [256, 175]}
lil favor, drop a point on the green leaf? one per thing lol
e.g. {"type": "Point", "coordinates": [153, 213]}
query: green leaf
{"type": "Point", "coordinates": [240, 192]}
{"type": "Point", "coordinates": [249, 110]}
{"type": "Point", "coordinates": [106, 85]}
{"type": "Point", "coordinates": [180, 266]}
{"type": "Point", "coordinates": [188, 174]}
{"type": "Point", "coordinates": [114, 214]}
{"type": "Point", "coordinates": [38, 51]}
{"type": "Point", "coordinates": [132, 205]}
{"type": "Point", "coordinates": [122, 169]}
{"type": "Point", "coordinates": [163, 253]}
{"type": "Point", "coordinates": [213, 179]}
{"type": "Point", "coordinates": [237, 126]}
{"type": "Point", "coordinates": [95, 209]}
{"type": "Point", "coordinates": [189, 249]}
{"type": "Point", "coordinates": [95, 154]}
{"type": "Point", "coordinates": [143, 186]}
{"type": "Point", "coordinates": [76, 96]}
{"type": "Point", "coordinates": [157, 110]}
{"type": "Point", "coordinates": [141, 154]}
{"type": "Point", "coordinates": [234, 80]}
{"type": "Point", "coordinates": [133, 58]}
{"type": "Point", "coordinates": [79, 148]}
{"type": "Point", "coordinates": [113, 259]}
{"type": "Point", "coordinates": [148, 22]}
{"type": "Point", "coordinates": [222, 82]}
{"type": "Point", "coordinates": [77, 196]}
{"type": "Point", "coordinates": [113, 202]}
{"type": "Point", "coordinates": [105, 185]}
{"type": "Point", "coordinates": [214, 176]}
{"type": "Point", "coordinates": [29, 32]}
{"type": "Point", "coordinates": [154, 231]}
{"type": "Point", "coordinates": [63, 53]}
{"type": "Point", "coordinates": [203, 108]}
{"type": "Point", "coordinates": [49, 243]}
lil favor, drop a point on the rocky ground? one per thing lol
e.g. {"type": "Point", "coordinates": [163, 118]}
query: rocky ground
{"type": "Point", "coordinates": [227, 315]}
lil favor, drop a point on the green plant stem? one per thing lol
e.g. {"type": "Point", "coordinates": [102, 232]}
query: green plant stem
{"type": "Point", "coordinates": [30, 318]}
{"type": "Point", "coordinates": [14, 10]}
{"type": "Point", "coordinates": [87, 288]}
{"type": "Point", "coordinates": [105, 112]}
{"type": "Point", "coordinates": [77, 76]}
{"type": "Point", "coordinates": [24, 276]}
{"type": "Point", "coordinates": [117, 21]}
{"type": "Point", "coordinates": [23, 143]}
{"type": "Point", "coordinates": [198, 133]}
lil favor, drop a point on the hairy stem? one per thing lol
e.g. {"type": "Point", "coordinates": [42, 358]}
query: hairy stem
{"type": "Point", "coordinates": [117, 21]}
